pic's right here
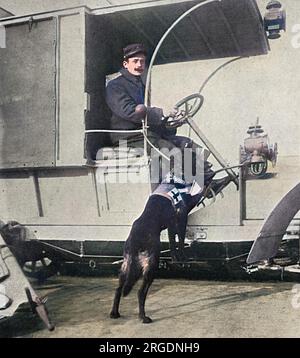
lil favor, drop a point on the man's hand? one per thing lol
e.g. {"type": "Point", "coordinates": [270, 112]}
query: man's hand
{"type": "Point", "coordinates": [173, 113]}
{"type": "Point", "coordinates": [141, 110]}
{"type": "Point", "coordinates": [174, 119]}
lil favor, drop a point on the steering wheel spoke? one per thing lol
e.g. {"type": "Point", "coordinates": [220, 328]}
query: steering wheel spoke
{"type": "Point", "coordinates": [187, 108]}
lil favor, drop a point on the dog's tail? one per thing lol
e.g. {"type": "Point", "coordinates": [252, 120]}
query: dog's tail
{"type": "Point", "coordinates": [131, 269]}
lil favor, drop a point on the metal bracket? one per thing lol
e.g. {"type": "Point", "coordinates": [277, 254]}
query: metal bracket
{"type": "Point", "coordinates": [87, 101]}
{"type": "Point", "coordinates": [30, 23]}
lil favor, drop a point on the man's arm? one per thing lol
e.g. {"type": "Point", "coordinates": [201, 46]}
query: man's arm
{"type": "Point", "coordinates": [122, 105]}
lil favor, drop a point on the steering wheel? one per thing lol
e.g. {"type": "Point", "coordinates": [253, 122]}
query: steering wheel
{"type": "Point", "coordinates": [191, 105]}
{"type": "Point", "coordinates": [185, 109]}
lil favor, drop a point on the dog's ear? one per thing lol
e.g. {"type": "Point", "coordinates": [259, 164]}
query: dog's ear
{"type": "Point", "coordinates": [13, 232]}
{"type": "Point", "coordinates": [14, 227]}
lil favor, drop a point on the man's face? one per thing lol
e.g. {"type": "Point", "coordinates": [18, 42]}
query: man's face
{"type": "Point", "coordinates": [135, 65]}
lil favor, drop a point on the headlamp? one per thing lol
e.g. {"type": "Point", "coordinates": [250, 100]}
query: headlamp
{"type": "Point", "coordinates": [275, 19]}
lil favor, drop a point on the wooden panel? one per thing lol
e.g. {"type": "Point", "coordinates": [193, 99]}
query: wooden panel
{"type": "Point", "coordinates": [124, 192]}
{"type": "Point", "coordinates": [27, 96]}
{"type": "Point", "coordinates": [68, 196]}
{"type": "Point", "coordinates": [72, 104]}
{"type": "Point", "coordinates": [18, 197]}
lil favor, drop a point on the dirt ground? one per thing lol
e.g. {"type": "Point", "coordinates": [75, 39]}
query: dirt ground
{"type": "Point", "coordinates": [80, 307]}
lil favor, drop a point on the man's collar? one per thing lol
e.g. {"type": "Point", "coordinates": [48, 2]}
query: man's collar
{"type": "Point", "coordinates": [129, 76]}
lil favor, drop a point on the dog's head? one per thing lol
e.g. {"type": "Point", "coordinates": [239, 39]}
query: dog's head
{"type": "Point", "coordinates": [13, 233]}
{"type": "Point", "coordinates": [21, 242]}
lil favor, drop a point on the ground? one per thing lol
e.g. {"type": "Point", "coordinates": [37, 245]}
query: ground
{"type": "Point", "coordinates": [80, 307]}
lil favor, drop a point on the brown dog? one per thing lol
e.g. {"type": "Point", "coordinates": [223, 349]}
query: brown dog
{"type": "Point", "coordinates": [165, 209]}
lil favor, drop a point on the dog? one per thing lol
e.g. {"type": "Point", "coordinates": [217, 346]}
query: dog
{"type": "Point", "coordinates": [21, 242]}
{"type": "Point", "coordinates": [166, 208]}
{"type": "Point", "coordinates": [18, 239]}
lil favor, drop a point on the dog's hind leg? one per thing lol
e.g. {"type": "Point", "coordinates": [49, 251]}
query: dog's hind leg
{"type": "Point", "coordinates": [142, 294]}
{"type": "Point", "coordinates": [115, 308]}
{"type": "Point", "coordinates": [149, 266]}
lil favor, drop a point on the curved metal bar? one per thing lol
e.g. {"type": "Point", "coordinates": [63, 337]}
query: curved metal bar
{"type": "Point", "coordinates": [148, 80]}
{"type": "Point", "coordinates": [205, 82]}
{"type": "Point", "coordinates": [217, 70]}
{"type": "Point", "coordinates": [268, 240]}
{"type": "Point", "coordinates": [163, 39]}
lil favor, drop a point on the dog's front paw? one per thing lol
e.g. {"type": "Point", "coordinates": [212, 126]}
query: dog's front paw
{"type": "Point", "coordinates": [114, 315]}
{"type": "Point", "coordinates": [147, 320]}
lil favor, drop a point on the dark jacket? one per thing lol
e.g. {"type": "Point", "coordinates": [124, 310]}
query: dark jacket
{"type": "Point", "coordinates": [123, 94]}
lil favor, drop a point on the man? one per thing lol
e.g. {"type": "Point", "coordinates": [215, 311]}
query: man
{"type": "Point", "coordinates": [125, 98]}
